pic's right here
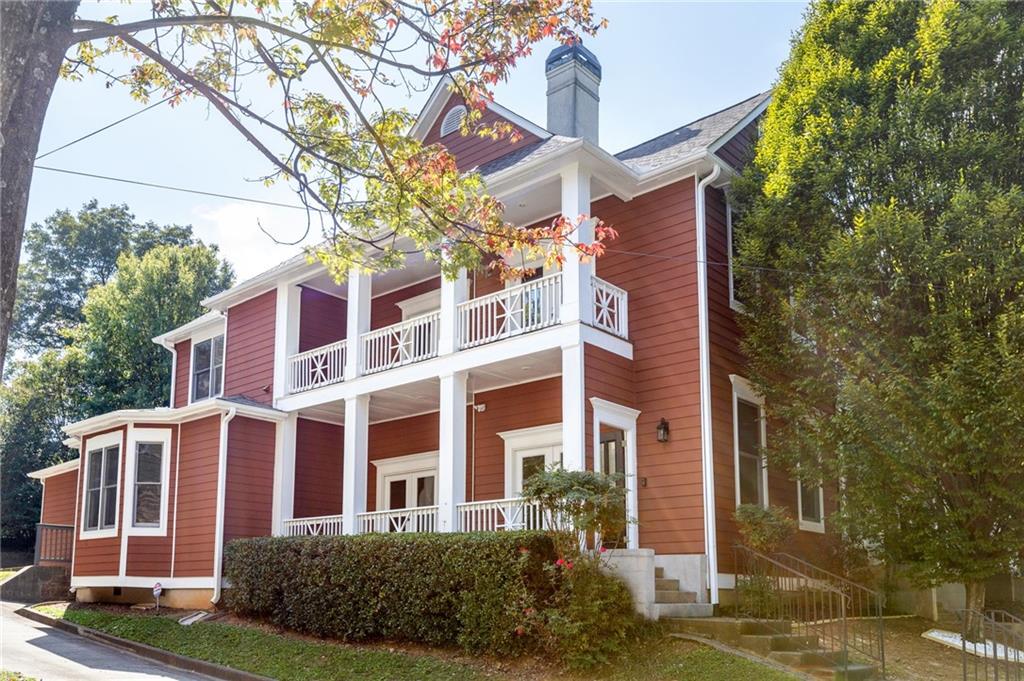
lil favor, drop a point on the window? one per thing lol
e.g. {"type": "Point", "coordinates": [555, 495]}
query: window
{"type": "Point", "coordinates": [207, 368]}
{"type": "Point", "coordinates": [452, 120]}
{"type": "Point", "coordinates": [810, 500]}
{"type": "Point", "coordinates": [749, 439]}
{"type": "Point", "coordinates": [101, 488]}
{"type": "Point", "coordinates": [529, 451]}
{"type": "Point", "coordinates": [148, 484]}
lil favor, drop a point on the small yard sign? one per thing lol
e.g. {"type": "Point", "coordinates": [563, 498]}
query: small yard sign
{"type": "Point", "coordinates": [157, 590]}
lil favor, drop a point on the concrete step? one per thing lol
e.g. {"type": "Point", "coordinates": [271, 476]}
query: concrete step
{"type": "Point", "coordinates": [675, 597]}
{"type": "Point", "coordinates": [659, 572]}
{"type": "Point", "coordinates": [725, 629]}
{"type": "Point", "coordinates": [767, 643]}
{"type": "Point", "coordinates": [662, 584]}
{"type": "Point", "coordinates": [765, 626]}
{"type": "Point", "coordinates": [807, 658]}
{"type": "Point", "coordinates": [682, 610]}
{"type": "Point", "coordinates": [849, 672]}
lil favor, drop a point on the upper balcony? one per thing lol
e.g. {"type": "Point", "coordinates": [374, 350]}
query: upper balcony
{"type": "Point", "coordinates": [507, 313]}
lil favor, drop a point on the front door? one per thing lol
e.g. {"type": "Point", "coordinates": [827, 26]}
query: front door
{"type": "Point", "coordinates": [410, 490]}
{"type": "Point", "coordinates": [613, 462]}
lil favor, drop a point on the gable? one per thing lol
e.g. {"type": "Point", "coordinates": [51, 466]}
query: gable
{"type": "Point", "coordinates": [738, 151]}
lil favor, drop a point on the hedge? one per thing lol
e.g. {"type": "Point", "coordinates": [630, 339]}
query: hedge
{"type": "Point", "coordinates": [473, 591]}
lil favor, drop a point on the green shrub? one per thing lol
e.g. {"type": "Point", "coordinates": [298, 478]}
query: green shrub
{"type": "Point", "coordinates": [764, 529]}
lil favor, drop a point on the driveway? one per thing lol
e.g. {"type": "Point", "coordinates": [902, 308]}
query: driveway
{"type": "Point", "coordinates": [47, 654]}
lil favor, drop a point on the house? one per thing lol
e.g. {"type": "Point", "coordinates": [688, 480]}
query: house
{"type": "Point", "coordinates": [402, 402]}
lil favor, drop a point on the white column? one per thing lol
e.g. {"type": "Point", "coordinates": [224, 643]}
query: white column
{"type": "Point", "coordinates": [286, 335]}
{"type": "Point", "coordinates": [574, 448]}
{"type": "Point", "coordinates": [283, 504]}
{"type": "Point", "coordinates": [576, 293]}
{"type": "Point", "coordinates": [451, 467]}
{"type": "Point", "coordinates": [357, 431]}
{"type": "Point", "coordinates": [453, 292]}
{"type": "Point", "coordinates": [358, 308]}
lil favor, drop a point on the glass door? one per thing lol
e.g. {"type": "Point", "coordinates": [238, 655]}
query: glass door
{"type": "Point", "coordinates": [613, 462]}
{"type": "Point", "coordinates": [408, 491]}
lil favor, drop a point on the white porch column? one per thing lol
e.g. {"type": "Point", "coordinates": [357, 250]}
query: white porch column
{"type": "Point", "coordinates": [358, 309]}
{"type": "Point", "coordinates": [286, 335]}
{"type": "Point", "coordinates": [453, 292]}
{"type": "Point", "coordinates": [574, 447]}
{"type": "Point", "coordinates": [284, 474]}
{"type": "Point", "coordinates": [451, 467]}
{"type": "Point", "coordinates": [357, 431]}
{"type": "Point", "coordinates": [576, 293]}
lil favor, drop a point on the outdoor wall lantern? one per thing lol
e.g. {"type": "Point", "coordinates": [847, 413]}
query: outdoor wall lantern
{"type": "Point", "coordinates": [662, 430]}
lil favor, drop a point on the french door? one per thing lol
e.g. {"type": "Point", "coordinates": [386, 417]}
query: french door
{"type": "Point", "coordinates": [409, 491]}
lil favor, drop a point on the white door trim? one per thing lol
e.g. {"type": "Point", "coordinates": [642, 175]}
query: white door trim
{"type": "Point", "coordinates": [424, 462]}
{"type": "Point", "coordinates": [527, 438]}
{"type": "Point", "coordinates": [623, 418]}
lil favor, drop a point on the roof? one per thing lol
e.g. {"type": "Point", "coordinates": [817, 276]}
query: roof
{"type": "Point", "coordinates": [186, 330]}
{"type": "Point", "coordinates": [56, 469]}
{"type": "Point", "coordinates": [691, 138]}
{"type": "Point", "coordinates": [219, 405]}
{"type": "Point", "coordinates": [526, 155]}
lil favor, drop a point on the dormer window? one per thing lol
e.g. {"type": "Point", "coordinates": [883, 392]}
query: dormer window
{"type": "Point", "coordinates": [208, 368]}
{"type": "Point", "coordinates": [452, 120]}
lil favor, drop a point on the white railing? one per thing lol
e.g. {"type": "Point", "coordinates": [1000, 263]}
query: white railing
{"type": "Point", "coordinates": [513, 311]}
{"type": "Point", "coordinates": [413, 340]}
{"type": "Point", "coordinates": [420, 519]}
{"type": "Point", "coordinates": [610, 308]}
{"type": "Point", "coordinates": [501, 514]}
{"type": "Point", "coordinates": [313, 526]}
{"type": "Point", "coordinates": [317, 367]}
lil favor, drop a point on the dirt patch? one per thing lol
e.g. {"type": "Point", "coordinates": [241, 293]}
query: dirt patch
{"type": "Point", "coordinates": [909, 657]}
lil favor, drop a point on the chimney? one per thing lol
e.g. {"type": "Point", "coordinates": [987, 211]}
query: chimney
{"type": "Point", "coordinates": [574, 75]}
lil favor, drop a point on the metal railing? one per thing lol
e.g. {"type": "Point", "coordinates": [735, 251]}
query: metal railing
{"type": "Point", "coordinates": [317, 367]}
{"type": "Point", "coordinates": [53, 543]}
{"type": "Point", "coordinates": [413, 340]}
{"type": "Point", "coordinates": [610, 307]}
{"type": "Point", "coordinates": [510, 312]}
{"type": "Point", "coordinates": [501, 514]}
{"type": "Point", "coordinates": [999, 655]}
{"type": "Point", "coordinates": [419, 519]}
{"type": "Point", "coordinates": [313, 526]}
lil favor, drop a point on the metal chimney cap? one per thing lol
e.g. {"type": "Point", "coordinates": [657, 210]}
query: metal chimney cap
{"type": "Point", "coordinates": [566, 53]}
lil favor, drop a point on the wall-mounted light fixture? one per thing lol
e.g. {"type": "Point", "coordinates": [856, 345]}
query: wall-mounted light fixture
{"type": "Point", "coordinates": [662, 430]}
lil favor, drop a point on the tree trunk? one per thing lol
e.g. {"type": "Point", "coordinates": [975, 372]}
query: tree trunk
{"type": "Point", "coordinates": [34, 35]}
{"type": "Point", "coordinates": [975, 607]}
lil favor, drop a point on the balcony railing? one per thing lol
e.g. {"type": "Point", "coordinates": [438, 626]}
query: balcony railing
{"type": "Point", "coordinates": [313, 526]}
{"type": "Point", "coordinates": [510, 312]}
{"type": "Point", "coordinates": [501, 514]}
{"type": "Point", "coordinates": [419, 519]}
{"type": "Point", "coordinates": [610, 308]}
{"type": "Point", "coordinates": [413, 340]}
{"type": "Point", "coordinates": [53, 543]}
{"type": "Point", "coordinates": [317, 367]}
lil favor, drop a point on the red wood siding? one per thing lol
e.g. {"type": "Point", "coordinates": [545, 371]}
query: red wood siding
{"type": "Point", "coordinates": [196, 513]}
{"type": "Point", "coordinates": [59, 499]}
{"type": "Point", "coordinates": [322, 319]}
{"type": "Point", "coordinates": [384, 310]}
{"type": "Point", "coordinates": [739, 150]}
{"type": "Point", "coordinates": [151, 556]}
{"type": "Point", "coordinates": [182, 369]}
{"type": "Point", "coordinates": [472, 151]}
{"type": "Point", "coordinates": [249, 357]}
{"type": "Point", "coordinates": [100, 557]}
{"type": "Point", "coordinates": [413, 435]}
{"type": "Point", "coordinates": [663, 329]}
{"type": "Point", "coordinates": [319, 461]}
{"type": "Point", "coordinates": [250, 478]}
{"type": "Point", "coordinates": [609, 377]}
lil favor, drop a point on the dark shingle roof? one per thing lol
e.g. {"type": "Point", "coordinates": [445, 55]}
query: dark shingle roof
{"type": "Point", "coordinates": [525, 154]}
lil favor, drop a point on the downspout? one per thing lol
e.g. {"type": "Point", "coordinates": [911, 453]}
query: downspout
{"type": "Point", "coordinates": [174, 367]}
{"type": "Point", "coordinates": [222, 471]}
{"type": "Point", "coordinates": [706, 441]}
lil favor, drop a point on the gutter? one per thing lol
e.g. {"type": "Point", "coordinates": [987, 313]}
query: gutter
{"type": "Point", "coordinates": [222, 470]}
{"type": "Point", "coordinates": [706, 441]}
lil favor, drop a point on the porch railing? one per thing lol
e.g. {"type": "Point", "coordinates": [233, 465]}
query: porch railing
{"type": "Point", "coordinates": [999, 656]}
{"type": "Point", "coordinates": [419, 519]}
{"type": "Point", "coordinates": [53, 543]}
{"type": "Point", "coordinates": [510, 312]}
{"type": "Point", "coordinates": [317, 367]}
{"type": "Point", "coordinates": [313, 526]}
{"type": "Point", "coordinates": [407, 342]}
{"type": "Point", "coordinates": [501, 514]}
{"type": "Point", "coordinates": [610, 308]}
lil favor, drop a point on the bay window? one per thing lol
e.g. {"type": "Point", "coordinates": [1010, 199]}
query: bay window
{"type": "Point", "coordinates": [148, 484]}
{"type": "Point", "coordinates": [102, 470]}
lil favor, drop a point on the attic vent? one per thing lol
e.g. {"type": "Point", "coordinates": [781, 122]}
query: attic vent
{"type": "Point", "coordinates": [452, 120]}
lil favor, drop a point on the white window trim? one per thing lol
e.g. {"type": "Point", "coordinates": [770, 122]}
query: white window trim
{"type": "Point", "coordinates": [137, 436]}
{"type": "Point", "coordinates": [623, 418]}
{"type": "Point", "coordinates": [205, 335]}
{"type": "Point", "coordinates": [101, 442]}
{"type": "Point", "coordinates": [454, 117]}
{"type": "Point", "coordinates": [420, 305]}
{"type": "Point", "coordinates": [733, 303]}
{"type": "Point", "coordinates": [743, 390]}
{"type": "Point", "coordinates": [425, 462]}
{"type": "Point", "coordinates": [810, 525]}
{"type": "Point", "coordinates": [527, 438]}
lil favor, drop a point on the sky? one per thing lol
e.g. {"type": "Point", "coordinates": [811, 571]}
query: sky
{"type": "Point", "coordinates": [664, 64]}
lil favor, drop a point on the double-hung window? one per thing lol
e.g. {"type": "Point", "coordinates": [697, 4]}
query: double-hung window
{"type": "Point", "coordinates": [810, 499]}
{"type": "Point", "coordinates": [208, 368]}
{"type": "Point", "coordinates": [149, 467]}
{"type": "Point", "coordinates": [101, 488]}
{"type": "Point", "coordinates": [749, 441]}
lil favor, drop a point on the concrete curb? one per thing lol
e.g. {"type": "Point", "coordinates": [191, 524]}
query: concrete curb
{"type": "Point", "coordinates": [188, 664]}
{"type": "Point", "coordinates": [745, 654]}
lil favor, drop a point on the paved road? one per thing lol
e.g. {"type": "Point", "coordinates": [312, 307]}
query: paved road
{"type": "Point", "coordinates": [47, 654]}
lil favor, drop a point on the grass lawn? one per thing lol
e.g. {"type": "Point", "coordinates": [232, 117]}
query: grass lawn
{"type": "Point", "coordinates": [13, 676]}
{"type": "Point", "coordinates": [260, 650]}
{"type": "Point", "coordinates": [4, 576]}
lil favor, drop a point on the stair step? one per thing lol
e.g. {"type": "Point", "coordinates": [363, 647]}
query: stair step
{"type": "Point", "coordinates": [659, 572]}
{"type": "Point", "coordinates": [675, 597]}
{"type": "Point", "coordinates": [662, 584]}
{"type": "Point", "coordinates": [849, 672]}
{"type": "Point", "coordinates": [766, 627]}
{"type": "Point", "coordinates": [671, 610]}
{"type": "Point", "coordinates": [807, 658]}
{"type": "Point", "coordinates": [766, 643]}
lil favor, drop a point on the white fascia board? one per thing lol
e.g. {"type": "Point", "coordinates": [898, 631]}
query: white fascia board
{"type": "Point", "coordinates": [142, 582]}
{"type": "Point", "coordinates": [169, 416]}
{"type": "Point", "coordinates": [56, 469]}
{"type": "Point", "coordinates": [191, 328]}
{"type": "Point", "coordinates": [291, 270]}
{"type": "Point", "coordinates": [744, 122]}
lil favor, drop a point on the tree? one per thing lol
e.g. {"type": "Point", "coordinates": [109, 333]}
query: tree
{"type": "Point", "coordinates": [150, 294]}
{"type": "Point", "coordinates": [376, 193]}
{"type": "Point", "coordinates": [882, 251]}
{"type": "Point", "coordinates": [66, 256]}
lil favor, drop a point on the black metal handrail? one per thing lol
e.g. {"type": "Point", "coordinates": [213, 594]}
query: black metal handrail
{"type": "Point", "coordinates": [53, 543]}
{"type": "Point", "coordinates": [1002, 642]}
